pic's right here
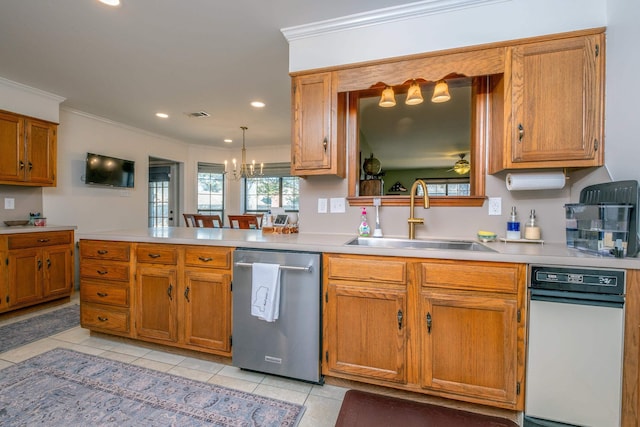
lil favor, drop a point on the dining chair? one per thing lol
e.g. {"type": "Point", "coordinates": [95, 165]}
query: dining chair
{"type": "Point", "coordinates": [243, 221]}
{"type": "Point", "coordinates": [190, 220]}
{"type": "Point", "coordinates": [208, 221]}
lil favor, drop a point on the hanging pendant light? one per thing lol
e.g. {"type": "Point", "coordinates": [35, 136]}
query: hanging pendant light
{"type": "Point", "coordinates": [414, 94]}
{"type": "Point", "coordinates": [441, 92]}
{"type": "Point", "coordinates": [244, 170]}
{"type": "Point", "coordinates": [388, 98]}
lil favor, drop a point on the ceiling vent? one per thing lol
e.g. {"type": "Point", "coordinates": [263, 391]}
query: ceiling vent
{"type": "Point", "coordinates": [199, 114]}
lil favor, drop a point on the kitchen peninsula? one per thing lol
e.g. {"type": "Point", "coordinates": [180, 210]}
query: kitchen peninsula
{"type": "Point", "coordinates": [114, 264]}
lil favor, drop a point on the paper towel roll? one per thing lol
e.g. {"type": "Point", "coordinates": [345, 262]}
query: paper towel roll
{"type": "Point", "coordinates": [535, 181]}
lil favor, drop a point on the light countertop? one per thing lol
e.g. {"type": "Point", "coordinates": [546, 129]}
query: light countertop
{"type": "Point", "coordinates": [528, 253]}
{"type": "Point", "coordinates": [33, 229]}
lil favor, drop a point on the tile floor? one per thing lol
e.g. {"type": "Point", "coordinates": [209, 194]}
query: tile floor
{"type": "Point", "coordinates": [322, 402]}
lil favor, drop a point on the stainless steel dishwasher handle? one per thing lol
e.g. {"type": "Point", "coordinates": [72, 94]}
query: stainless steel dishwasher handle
{"type": "Point", "coordinates": [282, 267]}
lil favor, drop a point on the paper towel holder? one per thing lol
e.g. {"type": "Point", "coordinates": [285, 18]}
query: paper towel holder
{"type": "Point", "coordinates": [537, 180]}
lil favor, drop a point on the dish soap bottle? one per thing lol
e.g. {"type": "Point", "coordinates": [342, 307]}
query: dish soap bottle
{"type": "Point", "coordinates": [531, 230]}
{"type": "Point", "coordinates": [513, 226]}
{"type": "Point", "coordinates": [364, 230]}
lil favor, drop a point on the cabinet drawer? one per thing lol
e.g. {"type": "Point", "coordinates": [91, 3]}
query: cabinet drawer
{"type": "Point", "coordinates": [95, 317]}
{"type": "Point", "coordinates": [31, 240]}
{"type": "Point", "coordinates": [208, 257]}
{"type": "Point", "coordinates": [470, 275]}
{"type": "Point", "coordinates": [103, 293]}
{"type": "Point", "coordinates": [117, 251]}
{"type": "Point", "coordinates": [157, 254]}
{"type": "Point", "coordinates": [104, 269]}
{"type": "Point", "coordinates": [367, 269]}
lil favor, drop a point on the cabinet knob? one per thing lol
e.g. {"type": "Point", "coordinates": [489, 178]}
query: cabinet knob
{"type": "Point", "coordinates": [325, 143]}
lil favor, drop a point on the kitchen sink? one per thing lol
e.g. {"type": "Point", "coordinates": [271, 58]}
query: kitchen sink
{"type": "Point", "coordinates": [383, 242]}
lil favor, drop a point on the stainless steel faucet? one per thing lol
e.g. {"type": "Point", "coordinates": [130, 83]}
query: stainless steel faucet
{"type": "Point", "coordinates": [412, 220]}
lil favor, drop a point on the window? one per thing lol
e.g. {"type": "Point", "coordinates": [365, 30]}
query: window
{"type": "Point", "coordinates": [275, 189]}
{"type": "Point", "coordinates": [211, 189]}
{"type": "Point", "coordinates": [446, 187]}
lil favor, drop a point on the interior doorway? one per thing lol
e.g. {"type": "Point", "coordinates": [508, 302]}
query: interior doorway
{"type": "Point", "coordinates": [164, 189]}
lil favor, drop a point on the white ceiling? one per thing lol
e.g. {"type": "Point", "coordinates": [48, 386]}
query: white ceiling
{"type": "Point", "coordinates": [175, 56]}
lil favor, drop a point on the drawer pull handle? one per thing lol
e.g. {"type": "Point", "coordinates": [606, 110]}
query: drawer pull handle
{"type": "Point", "coordinates": [170, 291]}
{"type": "Point", "coordinates": [154, 255]}
{"type": "Point", "coordinates": [520, 132]}
{"type": "Point", "coordinates": [102, 294]}
{"type": "Point", "coordinates": [102, 272]}
{"type": "Point", "coordinates": [429, 323]}
{"type": "Point", "coordinates": [102, 252]}
{"type": "Point", "coordinates": [186, 294]}
{"type": "Point", "coordinates": [30, 166]}
{"type": "Point", "coordinates": [399, 320]}
{"type": "Point", "coordinates": [21, 165]}
{"type": "Point", "coordinates": [43, 240]}
{"type": "Point", "coordinates": [103, 319]}
{"type": "Point", "coordinates": [205, 259]}
{"type": "Point", "coordinates": [39, 264]}
{"type": "Point", "coordinates": [48, 263]}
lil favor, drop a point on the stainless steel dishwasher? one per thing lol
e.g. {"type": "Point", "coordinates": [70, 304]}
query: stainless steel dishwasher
{"type": "Point", "coordinates": [289, 346]}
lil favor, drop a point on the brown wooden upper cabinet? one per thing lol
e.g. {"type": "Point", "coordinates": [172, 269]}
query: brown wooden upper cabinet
{"type": "Point", "coordinates": [553, 105]}
{"type": "Point", "coordinates": [28, 148]}
{"type": "Point", "coordinates": [316, 148]}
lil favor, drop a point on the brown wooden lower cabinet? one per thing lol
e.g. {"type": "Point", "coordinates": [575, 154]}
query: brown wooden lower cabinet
{"type": "Point", "coordinates": [448, 328]}
{"type": "Point", "coordinates": [178, 295]}
{"type": "Point", "coordinates": [38, 267]}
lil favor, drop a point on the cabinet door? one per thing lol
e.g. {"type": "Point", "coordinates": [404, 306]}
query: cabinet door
{"type": "Point", "coordinates": [207, 302]}
{"type": "Point", "coordinates": [469, 345]}
{"type": "Point", "coordinates": [315, 149]}
{"type": "Point", "coordinates": [12, 148]}
{"type": "Point", "coordinates": [557, 95]}
{"type": "Point", "coordinates": [25, 276]}
{"type": "Point", "coordinates": [40, 159]}
{"type": "Point", "coordinates": [365, 332]}
{"type": "Point", "coordinates": [58, 278]}
{"type": "Point", "coordinates": [156, 297]}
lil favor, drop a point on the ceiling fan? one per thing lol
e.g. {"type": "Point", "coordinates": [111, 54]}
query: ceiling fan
{"type": "Point", "coordinates": [462, 166]}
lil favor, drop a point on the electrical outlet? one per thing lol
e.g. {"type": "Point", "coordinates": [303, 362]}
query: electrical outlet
{"type": "Point", "coordinates": [495, 205]}
{"type": "Point", "coordinates": [322, 205]}
{"type": "Point", "coordinates": [337, 205]}
{"type": "Point", "coordinates": [9, 203]}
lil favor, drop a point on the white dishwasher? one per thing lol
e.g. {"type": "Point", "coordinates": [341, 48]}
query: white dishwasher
{"type": "Point", "coordinates": [575, 347]}
{"type": "Point", "coordinates": [290, 345]}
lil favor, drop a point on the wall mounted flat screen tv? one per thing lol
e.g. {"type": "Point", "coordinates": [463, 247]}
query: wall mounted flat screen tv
{"type": "Point", "coordinates": [108, 171]}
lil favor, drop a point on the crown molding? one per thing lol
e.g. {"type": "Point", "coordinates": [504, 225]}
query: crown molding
{"type": "Point", "coordinates": [381, 16]}
{"type": "Point", "coordinates": [24, 88]}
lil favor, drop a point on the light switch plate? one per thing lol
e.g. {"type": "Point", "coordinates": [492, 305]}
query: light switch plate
{"type": "Point", "coordinates": [338, 205]}
{"type": "Point", "coordinates": [322, 205]}
{"type": "Point", "coordinates": [9, 203]}
{"type": "Point", "coordinates": [495, 205]}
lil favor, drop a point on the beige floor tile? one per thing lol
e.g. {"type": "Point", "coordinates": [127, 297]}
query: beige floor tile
{"type": "Point", "coordinates": [288, 384]}
{"type": "Point", "coordinates": [99, 342]}
{"type": "Point", "coordinates": [320, 412]}
{"type": "Point", "coordinates": [190, 373]}
{"type": "Point", "coordinates": [330, 391]}
{"type": "Point", "coordinates": [161, 356]}
{"type": "Point", "coordinates": [130, 349]}
{"type": "Point", "coordinates": [234, 383]}
{"type": "Point", "coordinates": [281, 393]}
{"type": "Point", "coordinates": [4, 364]}
{"type": "Point", "coordinates": [80, 348]}
{"type": "Point", "coordinates": [75, 335]}
{"type": "Point", "coordinates": [232, 371]}
{"type": "Point", "coordinates": [201, 365]}
{"type": "Point", "coordinates": [29, 350]}
{"type": "Point", "coordinates": [120, 357]}
{"type": "Point", "coordinates": [152, 364]}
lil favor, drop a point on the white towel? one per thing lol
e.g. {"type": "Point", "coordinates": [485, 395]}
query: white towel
{"type": "Point", "coordinates": [265, 291]}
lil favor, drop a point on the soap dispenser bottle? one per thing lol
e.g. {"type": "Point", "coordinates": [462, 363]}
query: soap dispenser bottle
{"type": "Point", "coordinates": [364, 230]}
{"type": "Point", "coordinates": [531, 229]}
{"type": "Point", "coordinates": [513, 226]}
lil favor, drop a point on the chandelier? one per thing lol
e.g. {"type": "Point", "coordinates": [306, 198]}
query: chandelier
{"type": "Point", "coordinates": [245, 170]}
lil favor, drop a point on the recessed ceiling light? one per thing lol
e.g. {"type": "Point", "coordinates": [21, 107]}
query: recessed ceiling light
{"type": "Point", "coordinates": [257, 104]}
{"type": "Point", "coordinates": [228, 141]}
{"type": "Point", "coordinates": [111, 2]}
{"type": "Point", "coordinates": [162, 115]}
